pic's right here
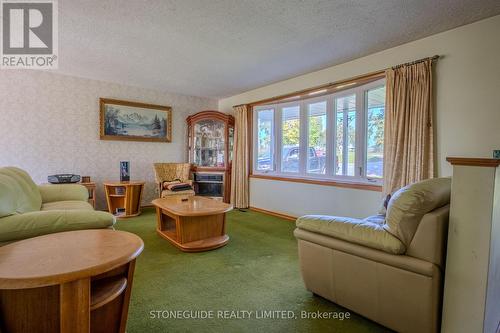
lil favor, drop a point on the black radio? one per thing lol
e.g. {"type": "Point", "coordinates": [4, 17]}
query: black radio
{"type": "Point", "coordinates": [64, 178]}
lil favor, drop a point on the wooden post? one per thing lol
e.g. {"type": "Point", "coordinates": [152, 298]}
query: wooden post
{"type": "Point", "coordinates": [74, 306]}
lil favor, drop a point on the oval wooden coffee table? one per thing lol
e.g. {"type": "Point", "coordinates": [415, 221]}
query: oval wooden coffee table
{"type": "Point", "coordinates": [75, 281]}
{"type": "Point", "coordinates": [192, 223]}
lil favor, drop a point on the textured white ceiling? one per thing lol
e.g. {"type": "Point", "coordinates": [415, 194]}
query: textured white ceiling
{"type": "Point", "coordinates": [218, 48]}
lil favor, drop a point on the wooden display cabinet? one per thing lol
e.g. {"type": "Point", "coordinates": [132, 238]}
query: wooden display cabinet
{"type": "Point", "coordinates": [210, 150]}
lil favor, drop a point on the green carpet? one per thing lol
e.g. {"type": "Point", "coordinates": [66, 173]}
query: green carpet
{"type": "Point", "coordinates": [257, 270]}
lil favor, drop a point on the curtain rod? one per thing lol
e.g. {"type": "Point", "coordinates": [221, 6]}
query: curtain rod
{"type": "Point", "coordinates": [375, 73]}
{"type": "Point", "coordinates": [433, 58]}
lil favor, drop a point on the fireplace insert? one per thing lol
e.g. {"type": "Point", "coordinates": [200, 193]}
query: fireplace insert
{"type": "Point", "coordinates": [209, 184]}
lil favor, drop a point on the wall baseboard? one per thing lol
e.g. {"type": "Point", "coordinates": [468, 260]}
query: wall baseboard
{"type": "Point", "coordinates": [276, 214]}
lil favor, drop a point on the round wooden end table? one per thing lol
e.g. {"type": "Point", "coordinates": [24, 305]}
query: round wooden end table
{"type": "Point", "coordinates": [75, 281]}
{"type": "Point", "coordinates": [124, 198]}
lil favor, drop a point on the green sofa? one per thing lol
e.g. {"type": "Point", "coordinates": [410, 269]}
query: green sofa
{"type": "Point", "coordinates": [29, 210]}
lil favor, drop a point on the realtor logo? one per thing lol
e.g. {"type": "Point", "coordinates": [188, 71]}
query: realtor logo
{"type": "Point", "coordinates": [29, 34]}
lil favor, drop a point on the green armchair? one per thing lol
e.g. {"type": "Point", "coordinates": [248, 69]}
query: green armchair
{"type": "Point", "coordinates": [29, 210]}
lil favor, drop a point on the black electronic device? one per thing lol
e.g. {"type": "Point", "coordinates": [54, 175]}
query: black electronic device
{"type": "Point", "coordinates": [64, 178]}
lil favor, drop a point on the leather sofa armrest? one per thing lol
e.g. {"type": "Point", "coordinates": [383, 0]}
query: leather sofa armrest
{"type": "Point", "coordinates": [63, 192]}
{"type": "Point", "coordinates": [429, 242]}
{"type": "Point", "coordinates": [395, 260]}
{"type": "Point", "coordinates": [362, 232]}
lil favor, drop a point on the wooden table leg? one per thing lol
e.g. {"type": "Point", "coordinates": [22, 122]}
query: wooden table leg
{"type": "Point", "coordinates": [74, 299]}
{"type": "Point", "coordinates": [126, 298]}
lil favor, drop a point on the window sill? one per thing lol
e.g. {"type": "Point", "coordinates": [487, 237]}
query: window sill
{"type": "Point", "coordinates": [325, 182]}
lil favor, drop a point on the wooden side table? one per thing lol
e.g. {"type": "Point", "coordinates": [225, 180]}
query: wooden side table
{"type": "Point", "coordinates": [75, 281]}
{"type": "Point", "coordinates": [124, 198]}
{"type": "Point", "coordinates": [91, 188]}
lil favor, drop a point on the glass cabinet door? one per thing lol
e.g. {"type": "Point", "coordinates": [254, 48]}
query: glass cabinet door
{"type": "Point", "coordinates": [209, 143]}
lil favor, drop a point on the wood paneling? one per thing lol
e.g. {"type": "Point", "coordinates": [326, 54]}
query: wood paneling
{"type": "Point", "coordinates": [201, 227]}
{"type": "Point", "coordinates": [40, 305]}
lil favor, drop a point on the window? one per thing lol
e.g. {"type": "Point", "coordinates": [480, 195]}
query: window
{"type": "Point", "coordinates": [345, 110]}
{"type": "Point", "coordinates": [290, 136]}
{"type": "Point", "coordinates": [316, 122]}
{"type": "Point", "coordinates": [265, 139]}
{"type": "Point", "coordinates": [337, 136]}
{"type": "Point", "coordinates": [375, 132]}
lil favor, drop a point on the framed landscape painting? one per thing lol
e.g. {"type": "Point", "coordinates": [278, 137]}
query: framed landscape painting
{"type": "Point", "coordinates": [122, 120]}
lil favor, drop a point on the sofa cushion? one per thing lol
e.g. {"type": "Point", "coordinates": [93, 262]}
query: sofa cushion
{"type": "Point", "coordinates": [369, 232]}
{"type": "Point", "coordinates": [9, 192]}
{"type": "Point", "coordinates": [62, 192]}
{"type": "Point", "coordinates": [21, 226]}
{"type": "Point", "coordinates": [67, 205]}
{"type": "Point", "coordinates": [409, 204]}
{"type": "Point", "coordinates": [23, 192]}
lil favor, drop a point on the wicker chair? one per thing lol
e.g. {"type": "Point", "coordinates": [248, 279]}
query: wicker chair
{"type": "Point", "coordinates": [169, 173]}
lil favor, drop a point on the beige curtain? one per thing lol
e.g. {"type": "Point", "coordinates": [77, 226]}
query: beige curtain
{"type": "Point", "coordinates": [239, 171]}
{"type": "Point", "coordinates": [408, 137]}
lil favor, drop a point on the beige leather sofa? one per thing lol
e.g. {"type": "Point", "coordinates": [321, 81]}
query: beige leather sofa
{"type": "Point", "coordinates": [387, 268]}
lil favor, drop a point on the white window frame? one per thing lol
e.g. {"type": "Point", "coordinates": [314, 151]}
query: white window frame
{"type": "Point", "coordinates": [279, 136]}
{"type": "Point", "coordinates": [255, 131]}
{"type": "Point", "coordinates": [329, 142]}
{"type": "Point", "coordinates": [360, 139]}
{"type": "Point", "coordinates": [368, 87]}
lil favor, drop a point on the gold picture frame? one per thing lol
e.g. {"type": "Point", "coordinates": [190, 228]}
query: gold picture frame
{"type": "Point", "coordinates": [134, 121]}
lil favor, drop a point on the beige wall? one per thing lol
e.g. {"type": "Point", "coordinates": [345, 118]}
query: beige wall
{"type": "Point", "coordinates": [467, 107]}
{"type": "Point", "coordinates": [49, 124]}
